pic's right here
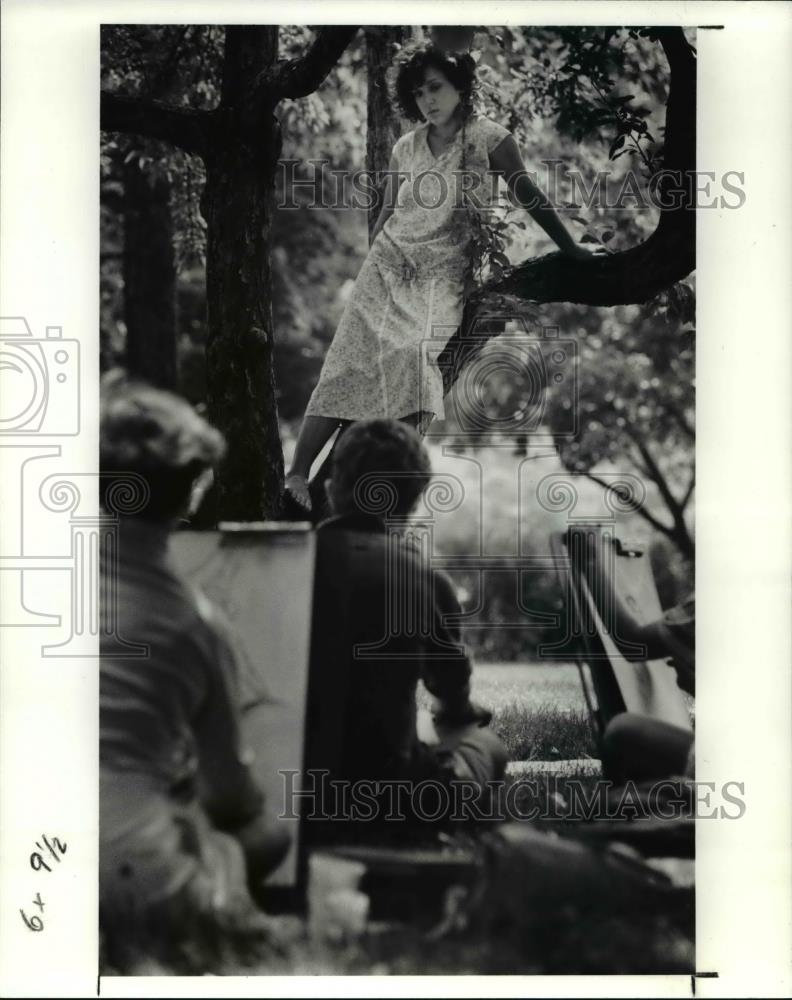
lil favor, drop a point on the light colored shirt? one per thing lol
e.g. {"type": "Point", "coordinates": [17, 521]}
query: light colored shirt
{"type": "Point", "coordinates": [170, 753]}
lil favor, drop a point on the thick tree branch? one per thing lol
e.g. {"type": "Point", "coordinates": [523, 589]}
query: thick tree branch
{"type": "Point", "coordinates": [179, 126]}
{"type": "Point", "coordinates": [303, 75]}
{"type": "Point", "coordinates": [635, 275]}
{"type": "Point", "coordinates": [251, 54]}
{"type": "Point", "coordinates": [669, 254]}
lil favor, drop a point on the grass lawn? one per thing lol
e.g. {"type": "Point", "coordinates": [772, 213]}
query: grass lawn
{"type": "Point", "coordinates": [540, 714]}
{"type": "Point", "coordinates": [538, 710]}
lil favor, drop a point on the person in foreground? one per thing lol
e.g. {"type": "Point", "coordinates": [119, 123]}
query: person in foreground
{"type": "Point", "coordinates": [386, 620]}
{"type": "Point", "coordinates": [182, 830]}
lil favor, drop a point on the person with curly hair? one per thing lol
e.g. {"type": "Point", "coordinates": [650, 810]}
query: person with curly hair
{"type": "Point", "coordinates": [385, 618]}
{"type": "Point", "coordinates": [410, 289]}
{"type": "Point", "coordinates": [184, 834]}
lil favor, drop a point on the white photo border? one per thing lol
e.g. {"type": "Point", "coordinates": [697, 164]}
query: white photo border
{"type": "Point", "coordinates": [49, 267]}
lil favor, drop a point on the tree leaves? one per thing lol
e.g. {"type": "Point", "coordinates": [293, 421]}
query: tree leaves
{"type": "Point", "coordinates": [616, 145]}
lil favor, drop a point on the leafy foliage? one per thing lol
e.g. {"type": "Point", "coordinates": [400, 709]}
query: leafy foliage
{"type": "Point", "coordinates": [636, 402]}
{"type": "Point", "coordinates": [579, 101]}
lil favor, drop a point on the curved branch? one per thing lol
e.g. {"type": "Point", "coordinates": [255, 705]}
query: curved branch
{"type": "Point", "coordinates": [669, 254]}
{"type": "Point", "coordinates": [180, 126]}
{"type": "Point", "coordinates": [303, 75]}
{"type": "Point", "coordinates": [635, 275]}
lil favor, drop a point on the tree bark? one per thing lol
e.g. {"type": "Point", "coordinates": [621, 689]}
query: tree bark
{"type": "Point", "coordinates": [240, 143]}
{"type": "Point", "coordinates": [149, 279]}
{"type": "Point", "coordinates": [382, 122]}
{"type": "Point", "coordinates": [238, 204]}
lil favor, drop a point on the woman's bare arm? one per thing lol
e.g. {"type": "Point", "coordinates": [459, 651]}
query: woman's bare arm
{"type": "Point", "coordinates": [507, 160]}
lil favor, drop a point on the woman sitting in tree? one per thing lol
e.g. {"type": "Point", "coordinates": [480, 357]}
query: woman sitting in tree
{"type": "Point", "coordinates": [413, 278]}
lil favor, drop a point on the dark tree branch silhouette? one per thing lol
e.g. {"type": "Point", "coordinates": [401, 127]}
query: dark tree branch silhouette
{"type": "Point", "coordinates": [633, 504]}
{"type": "Point", "coordinates": [240, 144]}
{"type": "Point", "coordinates": [632, 276]}
{"type": "Point", "coordinates": [181, 127]}
{"type": "Point", "coordinates": [299, 77]}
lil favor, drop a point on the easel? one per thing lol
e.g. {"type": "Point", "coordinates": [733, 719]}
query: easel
{"type": "Point", "coordinates": [612, 683]}
{"type": "Point", "coordinates": [261, 576]}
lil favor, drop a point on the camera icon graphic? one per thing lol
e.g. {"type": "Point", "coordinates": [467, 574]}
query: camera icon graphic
{"type": "Point", "coordinates": [504, 385]}
{"type": "Point", "coordinates": [39, 381]}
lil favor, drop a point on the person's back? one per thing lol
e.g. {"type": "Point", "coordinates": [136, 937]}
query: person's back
{"type": "Point", "coordinates": [383, 619]}
{"type": "Point", "coordinates": [172, 774]}
{"type": "Point", "coordinates": [158, 711]}
{"type": "Point", "coordinates": [395, 609]}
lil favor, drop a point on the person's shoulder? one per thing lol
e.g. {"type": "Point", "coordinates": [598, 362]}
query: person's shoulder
{"type": "Point", "coordinates": [405, 143]}
{"type": "Point", "coordinates": [491, 132]}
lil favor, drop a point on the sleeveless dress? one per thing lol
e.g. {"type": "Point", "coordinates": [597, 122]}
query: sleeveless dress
{"type": "Point", "coordinates": [407, 300]}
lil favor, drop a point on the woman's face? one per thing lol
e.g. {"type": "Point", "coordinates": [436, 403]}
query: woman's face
{"type": "Point", "coordinates": [436, 98]}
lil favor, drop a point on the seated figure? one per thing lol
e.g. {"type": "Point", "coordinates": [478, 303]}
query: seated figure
{"type": "Point", "coordinates": [383, 620]}
{"type": "Point", "coordinates": [182, 829]}
{"type": "Point", "coordinates": [636, 747]}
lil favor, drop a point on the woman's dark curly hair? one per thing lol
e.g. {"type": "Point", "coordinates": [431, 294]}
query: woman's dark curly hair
{"type": "Point", "coordinates": [458, 68]}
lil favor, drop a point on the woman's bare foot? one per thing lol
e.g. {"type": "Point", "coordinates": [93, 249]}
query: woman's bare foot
{"type": "Point", "coordinates": [297, 488]}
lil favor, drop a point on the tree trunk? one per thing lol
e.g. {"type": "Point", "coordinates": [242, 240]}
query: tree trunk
{"type": "Point", "coordinates": [238, 206]}
{"type": "Point", "coordinates": [149, 279]}
{"type": "Point", "coordinates": [383, 122]}
{"type": "Point", "coordinates": [240, 144]}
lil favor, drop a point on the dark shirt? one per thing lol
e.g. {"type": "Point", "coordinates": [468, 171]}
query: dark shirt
{"type": "Point", "coordinates": [383, 619]}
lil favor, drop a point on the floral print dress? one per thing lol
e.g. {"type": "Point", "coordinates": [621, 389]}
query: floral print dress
{"type": "Point", "coordinates": [407, 300]}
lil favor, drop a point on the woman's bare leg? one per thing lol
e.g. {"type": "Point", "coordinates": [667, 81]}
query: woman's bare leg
{"type": "Point", "coordinates": [314, 434]}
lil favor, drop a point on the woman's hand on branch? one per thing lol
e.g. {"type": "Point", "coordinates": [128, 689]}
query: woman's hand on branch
{"type": "Point", "coordinates": [580, 251]}
{"type": "Point", "coordinates": [507, 160]}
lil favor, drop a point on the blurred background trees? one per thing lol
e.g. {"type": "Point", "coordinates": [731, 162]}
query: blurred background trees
{"type": "Point", "coordinates": [579, 101]}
